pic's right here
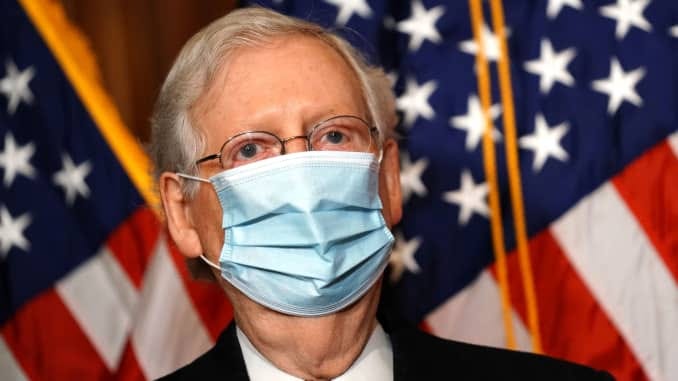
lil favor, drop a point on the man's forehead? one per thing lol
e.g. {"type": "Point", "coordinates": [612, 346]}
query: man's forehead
{"type": "Point", "coordinates": [306, 51]}
{"type": "Point", "coordinates": [279, 71]}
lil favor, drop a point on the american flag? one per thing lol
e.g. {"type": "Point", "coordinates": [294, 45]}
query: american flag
{"type": "Point", "coordinates": [90, 287]}
{"type": "Point", "coordinates": [595, 93]}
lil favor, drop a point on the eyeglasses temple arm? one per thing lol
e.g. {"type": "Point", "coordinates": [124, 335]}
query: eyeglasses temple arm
{"type": "Point", "coordinates": [208, 158]}
{"type": "Point", "coordinates": [189, 177]}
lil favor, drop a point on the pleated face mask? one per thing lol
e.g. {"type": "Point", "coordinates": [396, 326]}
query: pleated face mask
{"type": "Point", "coordinates": [303, 233]}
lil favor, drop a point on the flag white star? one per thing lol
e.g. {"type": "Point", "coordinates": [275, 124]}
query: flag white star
{"type": "Point", "coordinates": [402, 257]}
{"type": "Point", "coordinates": [552, 66]}
{"type": "Point", "coordinates": [12, 232]}
{"type": "Point", "coordinates": [72, 178]}
{"type": "Point", "coordinates": [673, 31]}
{"type": "Point", "coordinates": [554, 6]}
{"type": "Point", "coordinates": [348, 7]}
{"type": "Point", "coordinates": [421, 25]}
{"type": "Point", "coordinates": [470, 197]}
{"type": "Point", "coordinates": [473, 122]}
{"type": "Point", "coordinates": [628, 13]}
{"type": "Point", "coordinates": [392, 77]}
{"type": "Point", "coordinates": [16, 160]}
{"type": "Point", "coordinates": [414, 102]}
{"type": "Point", "coordinates": [620, 86]}
{"type": "Point", "coordinates": [15, 86]}
{"type": "Point", "coordinates": [410, 177]}
{"type": "Point", "coordinates": [490, 42]}
{"type": "Point", "coordinates": [545, 142]}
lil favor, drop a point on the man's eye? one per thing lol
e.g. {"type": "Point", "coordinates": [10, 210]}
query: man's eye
{"type": "Point", "coordinates": [334, 137]}
{"type": "Point", "coordinates": [248, 151]}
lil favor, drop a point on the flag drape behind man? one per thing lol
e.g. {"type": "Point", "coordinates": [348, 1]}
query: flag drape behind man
{"type": "Point", "coordinates": [90, 288]}
{"type": "Point", "coordinates": [595, 94]}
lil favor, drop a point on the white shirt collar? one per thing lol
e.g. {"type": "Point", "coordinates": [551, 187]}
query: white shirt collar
{"type": "Point", "coordinates": [374, 363]}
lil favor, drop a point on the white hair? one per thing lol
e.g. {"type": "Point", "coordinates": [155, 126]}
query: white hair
{"type": "Point", "coordinates": [176, 143]}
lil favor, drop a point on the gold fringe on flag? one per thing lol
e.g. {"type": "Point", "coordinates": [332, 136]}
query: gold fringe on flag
{"type": "Point", "coordinates": [513, 165]}
{"type": "Point", "coordinates": [515, 184]}
{"type": "Point", "coordinates": [489, 162]}
{"type": "Point", "coordinates": [77, 61]}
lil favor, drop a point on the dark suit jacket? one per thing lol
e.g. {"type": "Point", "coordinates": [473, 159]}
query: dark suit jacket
{"type": "Point", "coordinates": [416, 356]}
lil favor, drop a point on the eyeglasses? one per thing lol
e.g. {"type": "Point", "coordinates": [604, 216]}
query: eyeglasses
{"type": "Point", "coordinates": [339, 133]}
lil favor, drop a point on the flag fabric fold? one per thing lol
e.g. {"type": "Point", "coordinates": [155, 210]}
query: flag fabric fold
{"type": "Point", "coordinates": [90, 287]}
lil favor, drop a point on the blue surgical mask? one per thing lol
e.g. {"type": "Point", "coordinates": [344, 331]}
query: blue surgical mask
{"type": "Point", "coordinates": [303, 233]}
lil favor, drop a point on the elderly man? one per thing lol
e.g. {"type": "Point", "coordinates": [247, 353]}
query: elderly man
{"type": "Point", "coordinates": [277, 169]}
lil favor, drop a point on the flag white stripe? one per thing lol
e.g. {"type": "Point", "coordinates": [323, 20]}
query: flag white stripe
{"type": "Point", "coordinates": [673, 143]}
{"type": "Point", "coordinates": [9, 368]}
{"type": "Point", "coordinates": [474, 315]}
{"type": "Point", "coordinates": [168, 333]}
{"type": "Point", "coordinates": [102, 300]}
{"type": "Point", "coordinates": [621, 268]}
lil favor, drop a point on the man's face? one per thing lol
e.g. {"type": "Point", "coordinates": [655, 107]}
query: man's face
{"type": "Point", "coordinates": [284, 88]}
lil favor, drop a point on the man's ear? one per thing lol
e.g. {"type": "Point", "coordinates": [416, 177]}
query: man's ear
{"type": "Point", "coordinates": [389, 183]}
{"type": "Point", "coordinates": [179, 221]}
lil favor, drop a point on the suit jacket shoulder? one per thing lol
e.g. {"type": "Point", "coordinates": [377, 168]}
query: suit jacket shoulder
{"type": "Point", "coordinates": [419, 356]}
{"type": "Point", "coordinates": [224, 361]}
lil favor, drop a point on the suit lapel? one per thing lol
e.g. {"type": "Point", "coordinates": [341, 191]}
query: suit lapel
{"type": "Point", "coordinates": [228, 358]}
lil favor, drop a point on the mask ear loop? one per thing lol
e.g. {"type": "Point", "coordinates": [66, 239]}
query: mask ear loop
{"type": "Point", "coordinates": [202, 256]}
{"type": "Point", "coordinates": [196, 178]}
{"type": "Point", "coordinates": [189, 177]}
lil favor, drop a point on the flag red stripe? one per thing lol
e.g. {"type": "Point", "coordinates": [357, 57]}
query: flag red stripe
{"type": "Point", "coordinates": [132, 243]}
{"type": "Point", "coordinates": [572, 323]}
{"type": "Point", "coordinates": [129, 369]}
{"type": "Point", "coordinates": [648, 187]}
{"type": "Point", "coordinates": [424, 326]}
{"type": "Point", "coordinates": [209, 300]}
{"type": "Point", "coordinates": [48, 343]}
